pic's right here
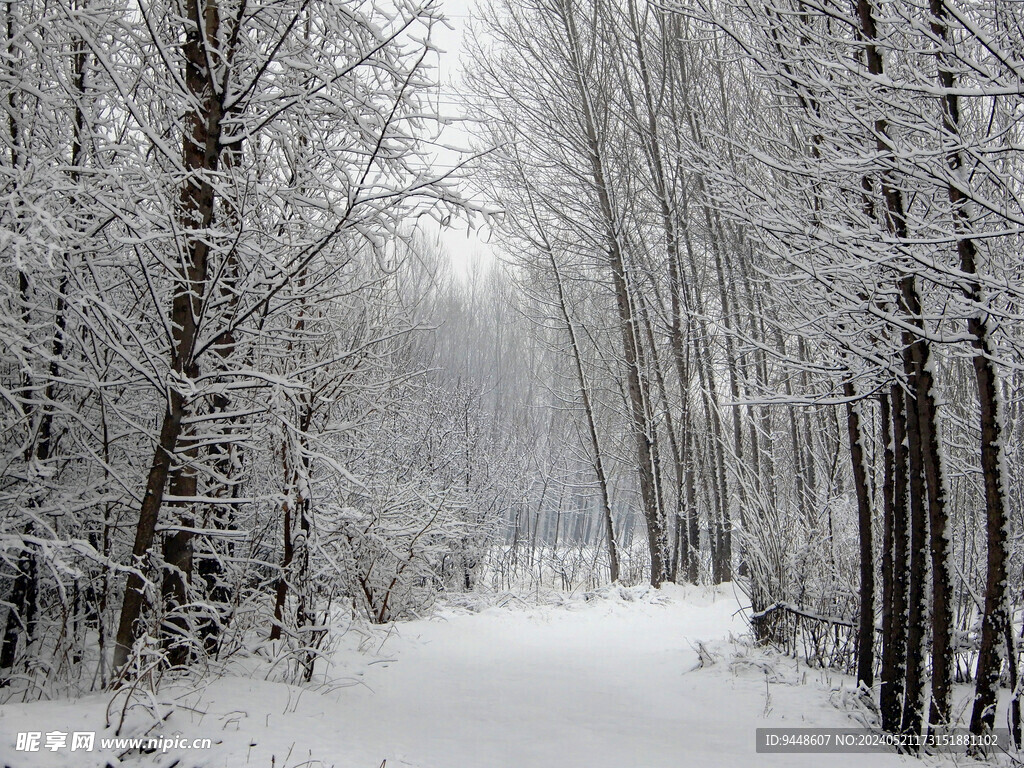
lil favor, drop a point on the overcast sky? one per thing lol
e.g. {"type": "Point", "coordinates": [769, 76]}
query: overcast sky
{"type": "Point", "coordinates": [464, 248]}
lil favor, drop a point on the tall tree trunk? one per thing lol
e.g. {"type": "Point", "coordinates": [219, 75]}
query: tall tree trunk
{"type": "Point", "coordinates": [201, 148]}
{"type": "Point", "coordinates": [177, 553]}
{"type": "Point", "coordinates": [917, 596]}
{"type": "Point", "coordinates": [995, 624]}
{"type": "Point", "coordinates": [894, 619]}
{"type": "Point", "coordinates": [21, 613]}
{"type": "Point", "coordinates": [642, 432]}
{"type": "Point", "coordinates": [651, 137]}
{"type": "Point", "coordinates": [225, 457]}
{"type": "Point", "coordinates": [128, 629]}
{"type": "Point", "coordinates": [595, 442]}
{"type": "Point", "coordinates": [996, 621]}
{"type": "Point", "coordinates": [717, 242]}
{"type": "Point", "coordinates": [866, 626]}
{"type": "Point", "coordinates": [938, 526]}
{"type": "Point", "coordinates": [930, 465]}
{"type": "Point", "coordinates": [923, 460]}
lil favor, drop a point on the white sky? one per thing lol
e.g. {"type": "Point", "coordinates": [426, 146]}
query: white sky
{"type": "Point", "coordinates": [466, 249]}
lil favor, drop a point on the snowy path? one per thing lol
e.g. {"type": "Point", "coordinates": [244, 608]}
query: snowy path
{"type": "Point", "coordinates": [605, 684]}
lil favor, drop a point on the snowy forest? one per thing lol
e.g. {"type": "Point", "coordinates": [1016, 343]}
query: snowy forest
{"type": "Point", "coordinates": [743, 321]}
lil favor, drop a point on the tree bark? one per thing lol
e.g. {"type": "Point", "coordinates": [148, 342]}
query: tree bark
{"type": "Point", "coordinates": [866, 625]}
{"type": "Point", "coordinates": [917, 612]}
{"type": "Point", "coordinates": [201, 147]}
{"type": "Point", "coordinates": [894, 619]}
{"type": "Point", "coordinates": [636, 389]}
{"type": "Point", "coordinates": [996, 624]}
{"type": "Point", "coordinates": [595, 442]}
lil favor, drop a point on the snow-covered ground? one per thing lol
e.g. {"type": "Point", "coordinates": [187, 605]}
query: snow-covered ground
{"type": "Point", "coordinates": [611, 682]}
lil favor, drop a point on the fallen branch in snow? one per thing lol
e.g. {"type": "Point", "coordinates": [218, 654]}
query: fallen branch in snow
{"type": "Point", "coordinates": [827, 641]}
{"type": "Point", "coordinates": [704, 657]}
{"type": "Point", "coordinates": [963, 642]}
{"type": "Point", "coordinates": [790, 608]}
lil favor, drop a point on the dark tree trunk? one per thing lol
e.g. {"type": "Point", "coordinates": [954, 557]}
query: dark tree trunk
{"type": "Point", "coordinates": [930, 467]}
{"type": "Point", "coordinates": [201, 148]}
{"type": "Point", "coordinates": [281, 588]}
{"type": "Point", "coordinates": [917, 598]}
{"type": "Point", "coordinates": [894, 620]}
{"type": "Point", "coordinates": [914, 353]}
{"type": "Point", "coordinates": [177, 579]}
{"type": "Point", "coordinates": [938, 525]}
{"type": "Point", "coordinates": [134, 597]}
{"type": "Point", "coordinates": [866, 625]}
{"type": "Point", "coordinates": [996, 623]}
{"type": "Point", "coordinates": [21, 613]}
